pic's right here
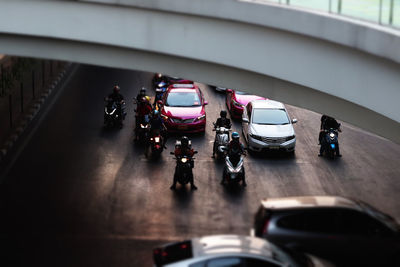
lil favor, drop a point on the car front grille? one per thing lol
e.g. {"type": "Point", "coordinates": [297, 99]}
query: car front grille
{"type": "Point", "coordinates": [174, 120]}
{"type": "Point", "coordinates": [275, 140]}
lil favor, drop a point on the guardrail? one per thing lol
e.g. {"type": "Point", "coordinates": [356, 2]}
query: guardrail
{"type": "Point", "coordinates": [384, 12]}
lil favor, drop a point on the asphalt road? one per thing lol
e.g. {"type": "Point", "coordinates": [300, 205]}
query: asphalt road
{"type": "Point", "coordinates": [79, 195]}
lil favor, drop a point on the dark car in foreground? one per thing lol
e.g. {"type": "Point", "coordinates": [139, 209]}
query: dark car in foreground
{"type": "Point", "coordinates": [346, 232]}
{"type": "Point", "coordinates": [230, 250]}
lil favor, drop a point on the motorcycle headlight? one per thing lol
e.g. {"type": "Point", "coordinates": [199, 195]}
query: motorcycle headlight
{"type": "Point", "coordinates": [332, 135]}
{"type": "Point", "coordinates": [157, 139]}
{"type": "Point", "coordinates": [184, 160]}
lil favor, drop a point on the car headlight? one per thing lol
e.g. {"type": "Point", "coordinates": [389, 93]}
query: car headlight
{"type": "Point", "coordinates": [237, 103]}
{"type": "Point", "coordinates": [257, 137]}
{"type": "Point", "coordinates": [202, 117]}
{"type": "Point", "coordinates": [290, 137]}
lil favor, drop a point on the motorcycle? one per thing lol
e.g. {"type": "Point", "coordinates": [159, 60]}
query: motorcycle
{"type": "Point", "coordinates": [142, 129]}
{"type": "Point", "coordinates": [160, 90]}
{"type": "Point", "coordinates": [184, 168]}
{"type": "Point", "coordinates": [330, 142]}
{"type": "Point", "coordinates": [112, 114]}
{"type": "Point", "coordinates": [234, 170]}
{"type": "Point", "coordinates": [221, 141]}
{"type": "Point", "coordinates": [155, 144]}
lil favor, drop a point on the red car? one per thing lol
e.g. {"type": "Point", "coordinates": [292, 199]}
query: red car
{"type": "Point", "coordinates": [236, 101]}
{"type": "Point", "coordinates": [183, 109]}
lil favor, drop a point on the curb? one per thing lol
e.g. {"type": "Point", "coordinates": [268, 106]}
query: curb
{"type": "Point", "coordinates": [33, 111]}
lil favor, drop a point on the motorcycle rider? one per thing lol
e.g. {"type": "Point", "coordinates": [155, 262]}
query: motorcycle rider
{"type": "Point", "coordinates": [235, 150]}
{"type": "Point", "coordinates": [144, 109]}
{"type": "Point", "coordinates": [327, 123]}
{"type": "Point", "coordinates": [157, 126]}
{"type": "Point", "coordinates": [223, 121]}
{"type": "Point", "coordinates": [183, 150]}
{"type": "Point", "coordinates": [117, 97]}
{"type": "Point", "coordinates": [140, 95]}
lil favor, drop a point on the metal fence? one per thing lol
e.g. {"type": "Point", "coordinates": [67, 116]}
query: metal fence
{"type": "Point", "coordinates": [20, 86]}
{"type": "Point", "coordinates": [384, 12]}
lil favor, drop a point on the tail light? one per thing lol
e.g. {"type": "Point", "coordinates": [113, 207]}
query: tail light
{"type": "Point", "coordinates": [265, 227]}
{"type": "Point", "coordinates": [172, 253]}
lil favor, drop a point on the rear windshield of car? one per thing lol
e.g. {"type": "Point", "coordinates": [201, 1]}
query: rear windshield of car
{"type": "Point", "coordinates": [270, 116]}
{"type": "Point", "coordinates": [183, 99]}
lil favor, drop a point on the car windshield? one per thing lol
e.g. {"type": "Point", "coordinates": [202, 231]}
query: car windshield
{"type": "Point", "coordinates": [183, 99]}
{"type": "Point", "coordinates": [270, 116]}
{"type": "Point", "coordinates": [240, 93]}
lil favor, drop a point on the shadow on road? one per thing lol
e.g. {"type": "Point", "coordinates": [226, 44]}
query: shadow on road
{"type": "Point", "coordinates": [182, 196]}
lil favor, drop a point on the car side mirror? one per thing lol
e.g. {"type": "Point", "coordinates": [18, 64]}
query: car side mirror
{"type": "Point", "coordinates": [246, 120]}
{"type": "Point", "coordinates": [229, 91]}
{"type": "Point", "coordinates": [172, 153]}
{"type": "Point", "coordinates": [195, 152]}
{"type": "Point", "coordinates": [294, 120]}
{"type": "Point", "coordinates": [205, 102]}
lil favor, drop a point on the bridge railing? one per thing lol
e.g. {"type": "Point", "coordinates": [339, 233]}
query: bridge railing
{"type": "Point", "coordinates": [384, 12]}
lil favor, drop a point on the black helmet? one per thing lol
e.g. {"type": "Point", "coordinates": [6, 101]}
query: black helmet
{"type": "Point", "coordinates": [184, 141]}
{"type": "Point", "coordinates": [235, 136]}
{"type": "Point", "coordinates": [143, 91]}
{"type": "Point", "coordinates": [223, 113]}
{"type": "Point", "coordinates": [116, 89]}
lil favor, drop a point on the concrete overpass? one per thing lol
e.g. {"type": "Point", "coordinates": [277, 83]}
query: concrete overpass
{"type": "Point", "coordinates": [334, 65]}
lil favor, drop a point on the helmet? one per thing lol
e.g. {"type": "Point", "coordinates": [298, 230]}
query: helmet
{"type": "Point", "coordinates": [185, 141]}
{"type": "Point", "coordinates": [116, 89]}
{"type": "Point", "coordinates": [143, 91]}
{"type": "Point", "coordinates": [235, 136]}
{"type": "Point", "coordinates": [147, 98]}
{"type": "Point", "coordinates": [223, 114]}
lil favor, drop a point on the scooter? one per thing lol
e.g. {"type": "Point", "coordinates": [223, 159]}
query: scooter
{"type": "Point", "coordinates": [330, 142]}
{"type": "Point", "coordinates": [234, 170]}
{"type": "Point", "coordinates": [221, 141]}
{"type": "Point", "coordinates": [112, 114]}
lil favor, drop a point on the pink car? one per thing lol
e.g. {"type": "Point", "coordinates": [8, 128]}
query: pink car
{"type": "Point", "coordinates": [236, 101]}
{"type": "Point", "coordinates": [183, 109]}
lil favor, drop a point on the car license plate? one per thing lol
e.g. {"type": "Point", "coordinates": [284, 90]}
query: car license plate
{"type": "Point", "coordinates": [182, 127]}
{"type": "Point", "coordinates": [273, 147]}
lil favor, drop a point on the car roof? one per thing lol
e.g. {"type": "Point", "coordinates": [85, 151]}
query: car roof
{"type": "Point", "coordinates": [267, 103]}
{"type": "Point", "coordinates": [309, 202]}
{"type": "Point", "coordinates": [223, 244]}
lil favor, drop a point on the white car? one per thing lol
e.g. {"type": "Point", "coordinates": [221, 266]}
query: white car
{"type": "Point", "coordinates": [267, 126]}
{"type": "Point", "coordinates": [229, 250]}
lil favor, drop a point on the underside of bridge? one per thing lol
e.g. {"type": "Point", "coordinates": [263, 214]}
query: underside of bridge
{"type": "Point", "coordinates": [337, 66]}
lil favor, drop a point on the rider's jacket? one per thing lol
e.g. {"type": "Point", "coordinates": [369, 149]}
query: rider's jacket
{"type": "Point", "coordinates": [235, 148]}
{"type": "Point", "coordinates": [183, 151]}
{"type": "Point", "coordinates": [143, 109]}
{"type": "Point", "coordinates": [223, 122]}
